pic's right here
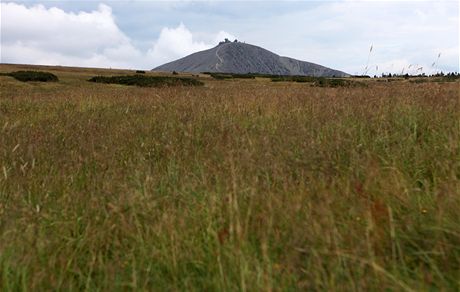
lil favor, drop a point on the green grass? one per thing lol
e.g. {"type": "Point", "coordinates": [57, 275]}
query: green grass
{"type": "Point", "coordinates": [230, 186]}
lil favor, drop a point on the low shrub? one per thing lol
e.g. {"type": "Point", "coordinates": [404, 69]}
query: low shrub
{"type": "Point", "coordinates": [419, 81]}
{"type": "Point", "coordinates": [443, 79]}
{"type": "Point", "coordinates": [244, 76]}
{"type": "Point", "coordinates": [140, 72]}
{"type": "Point", "coordinates": [319, 81]}
{"type": "Point", "coordinates": [146, 81]}
{"type": "Point", "coordinates": [300, 79]}
{"type": "Point", "coordinates": [26, 76]}
{"type": "Point", "coordinates": [449, 78]}
{"type": "Point", "coordinates": [332, 82]}
{"type": "Point", "coordinates": [222, 76]}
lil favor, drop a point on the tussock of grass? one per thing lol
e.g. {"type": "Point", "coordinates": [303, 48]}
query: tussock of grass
{"type": "Point", "coordinates": [37, 76]}
{"type": "Point", "coordinates": [236, 186]}
{"type": "Point", "coordinates": [146, 81]}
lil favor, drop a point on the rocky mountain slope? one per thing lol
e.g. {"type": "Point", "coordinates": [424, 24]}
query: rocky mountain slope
{"type": "Point", "coordinates": [237, 57]}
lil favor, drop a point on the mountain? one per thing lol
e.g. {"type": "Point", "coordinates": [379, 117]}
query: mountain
{"type": "Point", "coordinates": [237, 57]}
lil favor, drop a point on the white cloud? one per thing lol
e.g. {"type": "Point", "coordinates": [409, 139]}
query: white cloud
{"type": "Point", "coordinates": [178, 42]}
{"type": "Point", "coordinates": [336, 34]}
{"type": "Point", "coordinates": [40, 35]}
{"type": "Point", "coordinates": [37, 35]}
{"type": "Point", "coordinates": [339, 34]}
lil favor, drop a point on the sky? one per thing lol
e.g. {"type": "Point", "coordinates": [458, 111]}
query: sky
{"type": "Point", "coordinates": [358, 37]}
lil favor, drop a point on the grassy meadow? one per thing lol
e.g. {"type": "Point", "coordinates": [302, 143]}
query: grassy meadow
{"type": "Point", "coordinates": [237, 185]}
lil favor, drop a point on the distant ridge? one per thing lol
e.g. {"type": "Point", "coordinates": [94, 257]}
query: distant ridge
{"type": "Point", "coordinates": [241, 58]}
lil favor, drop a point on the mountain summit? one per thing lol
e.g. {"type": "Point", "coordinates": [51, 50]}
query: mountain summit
{"type": "Point", "coordinates": [237, 57]}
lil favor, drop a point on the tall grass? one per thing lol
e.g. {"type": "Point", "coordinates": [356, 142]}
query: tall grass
{"type": "Point", "coordinates": [232, 186]}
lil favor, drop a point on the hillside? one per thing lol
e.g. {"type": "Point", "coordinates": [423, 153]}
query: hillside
{"type": "Point", "coordinates": [236, 57]}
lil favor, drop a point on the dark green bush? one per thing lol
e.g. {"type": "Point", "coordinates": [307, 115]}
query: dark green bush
{"type": "Point", "coordinates": [140, 72]}
{"type": "Point", "coordinates": [419, 80]}
{"type": "Point", "coordinates": [443, 79]}
{"type": "Point", "coordinates": [39, 76]}
{"type": "Point", "coordinates": [244, 76]}
{"type": "Point", "coordinates": [146, 81]}
{"type": "Point", "coordinates": [295, 79]}
{"type": "Point", "coordinates": [450, 77]}
{"type": "Point", "coordinates": [222, 76]}
{"type": "Point", "coordinates": [319, 81]}
{"type": "Point", "coordinates": [332, 82]}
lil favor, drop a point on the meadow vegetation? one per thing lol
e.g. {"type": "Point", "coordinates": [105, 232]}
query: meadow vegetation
{"type": "Point", "coordinates": [235, 185]}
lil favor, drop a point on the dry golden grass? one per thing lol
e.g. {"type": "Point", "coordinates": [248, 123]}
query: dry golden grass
{"type": "Point", "coordinates": [237, 185]}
